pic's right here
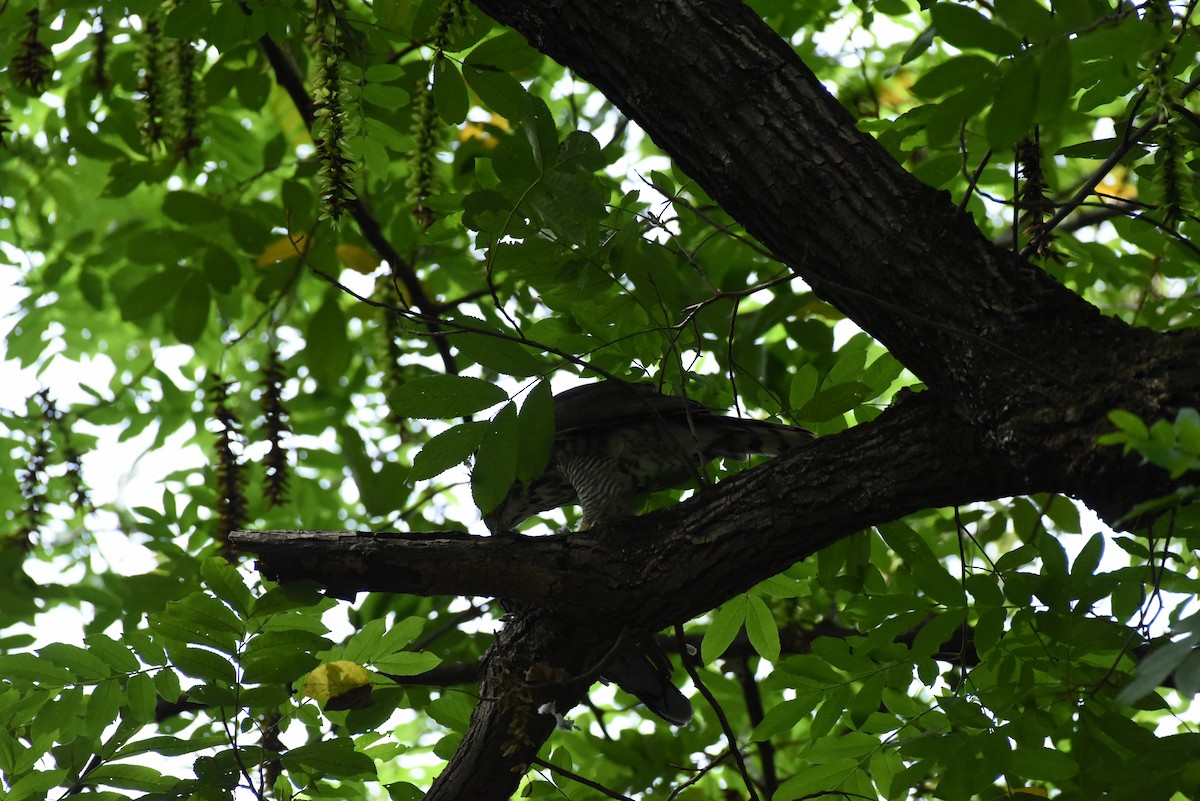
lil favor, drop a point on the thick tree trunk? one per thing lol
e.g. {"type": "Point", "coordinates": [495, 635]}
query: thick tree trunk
{"type": "Point", "coordinates": [1021, 372]}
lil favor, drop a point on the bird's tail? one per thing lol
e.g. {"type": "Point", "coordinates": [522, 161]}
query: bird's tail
{"type": "Point", "coordinates": [734, 438]}
{"type": "Point", "coordinates": [644, 671]}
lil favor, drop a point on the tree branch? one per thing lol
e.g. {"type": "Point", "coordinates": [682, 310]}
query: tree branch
{"type": "Point", "coordinates": [674, 564]}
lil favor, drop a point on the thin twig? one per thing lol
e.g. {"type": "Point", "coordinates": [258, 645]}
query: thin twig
{"type": "Point", "coordinates": [600, 788]}
{"type": "Point", "coordinates": [730, 737]}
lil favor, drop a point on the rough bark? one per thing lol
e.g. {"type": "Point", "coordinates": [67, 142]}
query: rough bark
{"type": "Point", "coordinates": [1021, 373]}
{"type": "Point", "coordinates": [675, 564]}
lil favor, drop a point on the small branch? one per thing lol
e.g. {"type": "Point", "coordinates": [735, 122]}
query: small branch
{"type": "Point", "coordinates": [1114, 158]}
{"type": "Point", "coordinates": [730, 736]}
{"type": "Point", "coordinates": [575, 777]}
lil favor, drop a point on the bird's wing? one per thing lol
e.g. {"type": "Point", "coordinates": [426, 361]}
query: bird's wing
{"type": "Point", "coordinates": [611, 404]}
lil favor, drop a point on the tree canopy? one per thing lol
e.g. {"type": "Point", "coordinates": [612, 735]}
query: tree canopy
{"type": "Point", "coordinates": [319, 255]}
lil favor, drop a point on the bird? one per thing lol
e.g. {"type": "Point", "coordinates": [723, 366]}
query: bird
{"type": "Point", "coordinates": [615, 442]}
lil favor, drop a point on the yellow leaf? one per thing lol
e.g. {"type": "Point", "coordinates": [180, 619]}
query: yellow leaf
{"type": "Point", "coordinates": [334, 679]}
{"type": "Point", "coordinates": [357, 258]}
{"type": "Point", "coordinates": [282, 249]}
{"type": "Point", "coordinates": [1117, 184]}
{"type": "Point", "coordinates": [480, 131]}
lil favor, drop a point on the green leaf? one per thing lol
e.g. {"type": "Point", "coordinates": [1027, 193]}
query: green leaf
{"type": "Point", "coordinates": [383, 73]}
{"type": "Point", "coordinates": [1187, 675]}
{"type": "Point", "coordinates": [1015, 103]}
{"type": "Point", "coordinates": [850, 744]}
{"type": "Point", "coordinates": [1054, 81]}
{"type": "Point", "coordinates": [964, 27]}
{"type": "Point", "coordinates": [498, 90]}
{"type": "Point", "coordinates": [151, 296]}
{"type": "Point", "coordinates": [1043, 764]}
{"type": "Point", "coordinates": [496, 350]}
{"type": "Point", "coordinates": [1016, 558]}
{"type": "Point", "coordinates": [936, 582]}
{"type": "Point", "coordinates": [221, 269]}
{"type": "Point", "coordinates": [186, 19]}
{"type": "Point", "coordinates": [816, 780]}
{"type": "Point", "coordinates": [1054, 557]}
{"type": "Point", "coordinates": [452, 710]}
{"type": "Point", "coordinates": [227, 584]}
{"type": "Point", "coordinates": [280, 656]}
{"type": "Point", "coordinates": [832, 401]}
{"type": "Point", "coordinates": [509, 52]}
{"type": "Point", "coordinates": [984, 588]}
{"type": "Point", "coordinates": [920, 44]}
{"type": "Point", "coordinates": [167, 745]}
{"type": "Point", "coordinates": [327, 353]}
{"type": "Point", "coordinates": [129, 777]}
{"type": "Point", "coordinates": [886, 765]}
{"type": "Point", "coordinates": [444, 396]}
{"type": "Point", "coordinates": [36, 785]}
{"type": "Point", "coordinates": [784, 716]}
{"type": "Point", "coordinates": [535, 427]}
{"type": "Point", "coordinates": [761, 629]}
{"type": "Point", "coordinates": [103, 705]}
{"type": "Point", "coordinates": [1153, 670]}
{"type": "Point", "coordinates": [200, 663]}
{"type": "Point", "coordinates": [1063, 512]}
{"type": "Point", "coordinates": [114, 654]}
{"type": "Point", "coordinates": [1187, 430]}
{"type": "Point", "coordinates": [166, 684]}
{"type": "Point", "coordinates": [449, 92]}
{"type": "Point", "coordinates": [142, 697]}
{"type": "Point", "coordinates": [569, 206]}
{"type": "Point", "coordinates": [847, 368]}
{"type": "Point", "coordinates": [227, 27]}
{"type": "Point", "coordinates": [407, 663]}
{"type": "Point", "coordinates": [1029, 18]}
{"type": "Point", "coordinates": [83, 664]}
{"type": "Point", "coordinates": [936, 633]}
{"type": "Point", "coordinates": [496, 465]}
{"type": "Point", "coordinates": [1091, 149]}
{"type": "Point", "coordinates": [803, 387]}
{"type": "Point", "coordinates": [393, 97]}
{"type": "Point", "coordinates": [63, 714]}
{"type": "Point", "coordinates": [190, 315]}
{"type": "Point", "coordinates": [200, 620]}
{"type": "Point", "coordinates": [881, 373]}
{"type": "Point", "coordinates": [333, 758]}
{"type": "Point", "coordinates": [1088, 560]}
{"type": "Point", "coordinates": [190, 208]}
{"type": "Point", "coordinates": [291, 596]}
{"type": "Point", "coordinates": [727, 622]}
{"type": "Point", "coordinates": [374, 641]}
{"type": "Point", "coordinates": [488, 211]}
{"type": "Point", "coordinates": [447, 449]}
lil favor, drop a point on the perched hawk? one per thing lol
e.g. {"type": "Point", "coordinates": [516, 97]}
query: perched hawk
{"type": "Point", "coordinates": [613, 443]}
